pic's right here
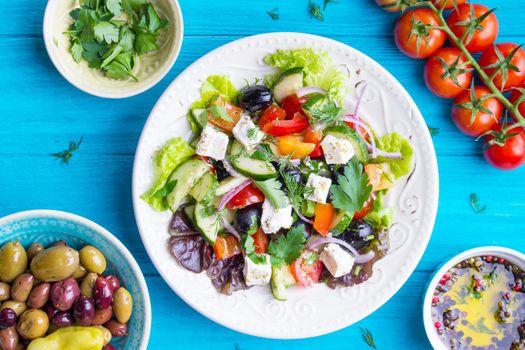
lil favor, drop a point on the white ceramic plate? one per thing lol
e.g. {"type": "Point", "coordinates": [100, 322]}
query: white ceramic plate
{"type": "Point", "coordinates": [319, 310]}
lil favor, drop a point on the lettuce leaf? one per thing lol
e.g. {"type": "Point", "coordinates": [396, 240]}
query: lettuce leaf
{"type": "Point", "coordinates": [381, 219]}
{"type": "Point", "coordinates": [318, 68]}
{"type": "Point", "coordinates": [215, 85]}
{"type": "Point", "coordinates": [394, 142]}
{"type": "Point", "coordinates": [172, 154]}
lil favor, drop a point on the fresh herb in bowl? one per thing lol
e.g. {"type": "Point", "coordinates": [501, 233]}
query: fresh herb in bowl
{"type": "Point", "coordinates": [111, 34]}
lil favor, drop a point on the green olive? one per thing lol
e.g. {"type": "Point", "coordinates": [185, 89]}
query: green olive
{"type": "Point", "coordinates": [33, 250]}
{"type": "Point", "coordinates": [86, 287]}
{"type": "Point", "coordinates": [107, 334]}
{"type": "Point", "coordinates": [5, 291]}
{"type": "Point", "coordinates": [122, 305]}
{"type": "Point", "coordinates": [33, 324]}
{"type": "Point", "coordinates": [79, 273]}
{"type": "Point", "coordinates": [92, 259]}
{"type": "Point", "coordinates": [55, 264]}
{"type": "Point", "coordinates": [13, 261]}
{"type": "Point", "coordinates": [16, 306]}
{"type": "Point", "coordinates": [22, 286]}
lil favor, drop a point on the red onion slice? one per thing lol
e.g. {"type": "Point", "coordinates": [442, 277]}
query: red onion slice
{"type": "Point", "coordinates": [307, 90]}
{"type": "Point", "coordinates": [229, 195]}
{"type": "Point", "coordinates": [356, 121]}
{"type": "Point", "coordinates": [359, 259]}
{"type": "Point", "coordinates": [231, 229]}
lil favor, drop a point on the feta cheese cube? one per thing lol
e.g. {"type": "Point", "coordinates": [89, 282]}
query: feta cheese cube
{"type": "Point", "coordinates": [257, 274]}
{"type": "Point", "coordinates": [337, 260]}
{"type": "Point", "coordinates": [212, 143]}
{"type": "Point", "coordinates": [247, 132]}
{"type": "Point", "coordinates": [273, 219]}
{"type": "Point", "coordinates": [317, 188]}
{"type": "Point", "coordinates": [337, 150]}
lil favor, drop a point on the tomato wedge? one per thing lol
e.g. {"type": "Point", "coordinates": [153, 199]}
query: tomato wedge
{"type": "Point", "coordinates": [270, 114]}
{"type": "Point", "coordinates": [315, 137]}
{"type": "Point", "coordinates": [367, 208]}
{"type": "Point", "coordinates": [298, 123]}
{"type": "Point", "coordinates": [294, 145]}
{"type": "Point", "coordinates": [324, 213]}
{"type": "Point", "coordinates": [207, 160]}
{"type": "Point", "coordinates": [226, 246]}
{"type": "Point", "coordinates": [293, 104]}
{"type": "Point", "coordinates": [231, 110]}
{"type": "Point", "coordinates": [247, 196]}
{"type": "Point", "coordinates": [307, 269]}
{"type": "Point", "coordinates": [260, 241]}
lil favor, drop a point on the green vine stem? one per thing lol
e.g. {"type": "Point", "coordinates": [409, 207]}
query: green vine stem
{"type": "Point", "coordinates": [486, 79]}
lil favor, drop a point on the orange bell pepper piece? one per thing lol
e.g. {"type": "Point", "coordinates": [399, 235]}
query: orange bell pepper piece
{"type": "Point", "coordinates": [233, 112]}
{"type": "Point", "coordinates": [226, 246]}
{"type": "Point", "coordinates": [324, 214]}
{"type": "Point", "coordinates": [293, 145]}
{"type": "Point", "coordinates": [376, 176]}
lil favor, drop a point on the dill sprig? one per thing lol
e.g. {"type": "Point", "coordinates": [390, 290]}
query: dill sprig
{"type": "Point", "coordinates": [314, 11]}
{"type": "Point", "coordinates": [433, 131]}
{"type": "Point", "coordinates": [274, 14]}
{"type": "Point", "coordinates": [66, 154]}
{"type": "Point", "coordinates": [475, 204]}
{"type": "Point", "coordinates": [368, 337]}
{"type": "Point", "coordinates": [326, 2]}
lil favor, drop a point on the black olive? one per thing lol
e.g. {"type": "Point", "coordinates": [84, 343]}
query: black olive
{"type": "Point", "coordinates": [337, 170]}
{"type": "Point", "coordinates": [247, 217]}
{"type": "Point", "coordinates": [221, 171]}
{"type": "Point", "coordinates": [307, 227]}
{"type": "Point", "coordinates": [255, 98]}
{"type": "Point", "coordinates": [358, 234]}
{"type": "Point", "coordinates": [294, 174]}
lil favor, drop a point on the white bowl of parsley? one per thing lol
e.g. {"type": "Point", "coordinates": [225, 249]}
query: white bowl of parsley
{"type": "Point", "coordinates": [113, 48]}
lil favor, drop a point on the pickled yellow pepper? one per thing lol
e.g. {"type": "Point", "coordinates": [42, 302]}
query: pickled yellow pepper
{"type": "Point", "coordinates": [70, 338]}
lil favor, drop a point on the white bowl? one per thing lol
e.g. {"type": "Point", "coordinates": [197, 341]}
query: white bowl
{"type": "Point", "coordinates": [149, 68]}
{"type": "Point", "coordinates": [511, 255]}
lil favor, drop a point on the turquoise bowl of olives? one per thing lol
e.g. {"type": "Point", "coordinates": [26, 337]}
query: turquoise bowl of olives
{"type": "Point", "coordinates": [66, 280]}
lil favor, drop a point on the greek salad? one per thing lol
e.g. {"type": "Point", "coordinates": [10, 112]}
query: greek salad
{"type": "Point", "coordinates": [280, 186]}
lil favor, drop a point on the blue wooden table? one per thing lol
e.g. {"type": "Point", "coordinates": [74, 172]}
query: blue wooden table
{"type": "Point", "coordinates": [40, 113]}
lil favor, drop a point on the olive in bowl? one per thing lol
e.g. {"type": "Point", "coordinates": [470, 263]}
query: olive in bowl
{"type": "Point", "coordinates": [89, 287]}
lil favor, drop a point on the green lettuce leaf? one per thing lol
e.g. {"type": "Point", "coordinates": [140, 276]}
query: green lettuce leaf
{"type": "Point", "coordinates": [318, 68]}
{"type": "Point", "coordinates": [381, 219]}
{"type": "Point", "coordinates": [394, 142]}
{"type": "Point", "coordinates": [215, 85]}
{"type": "Point", "coordinates": [175, 152]}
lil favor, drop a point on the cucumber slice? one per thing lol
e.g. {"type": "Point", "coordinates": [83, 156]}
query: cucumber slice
{"type": "Point", "coordinates": [288, 83]}
{"type": "Point", "coordinates": [207, 225]}
{"type": "Point", "coordinates": [340, 222]}
{"type": "Point", "coordinates": [229, 184]}
{"type": "Point", "coordinates": [345, 132]}
{"type": "Point", "coordinates": [186, 175]}
{"type": "Point", "coordinates": [204, 189]}
{"type": "Point", "coordinates": [256, 169]}
{"type": "Point", "coordinates": [200, 116]}
{"type": "Point", "coordinates": [281, 279]}
{"type": "Point", "coordinates": [189, 210]}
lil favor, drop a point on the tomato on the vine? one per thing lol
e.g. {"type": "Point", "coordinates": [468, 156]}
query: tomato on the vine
{"type": "Point", "coordinates": [508, 153]}
{"type": "Point", "coordinates": [506, 62]}
{"type": "Point", "coordinates": [475, 113]}
{"type": "Point", "coordinates": [480, 21]}
{"type": "Point", "coordinates": [518, 96]}
{"type": "Point", "coordinates": [448, 73]}
{"type": "Point", "coordinates": [413, 35]}
{"type": "Point", "coordinates": [447, 4]}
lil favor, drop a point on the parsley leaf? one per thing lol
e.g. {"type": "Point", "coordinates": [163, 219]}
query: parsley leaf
{"type": "Point", "coordinates": [219, 112]}
{"type": "Point", "coordinates": [121, 67]}
{"type": "Point", "coordinates": [114, 7]}
{"type": "Point", "coordinates": [288, 247]}
{"type": "Point", "coordinates": [77, 50]}
{"type": "Point", "coordinates": [353, 188]}
{"type": "Point", "coordinates": [106, 31]}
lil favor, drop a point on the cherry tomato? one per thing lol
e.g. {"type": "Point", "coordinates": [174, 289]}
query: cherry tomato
{"type": "Point", "coordinates": [483, 121]}
{"type": "Point", "coordinates": [315, 137]}
{"type": "Point", "coordinates": [414, 38]}
{"type": "Point", "coordinates": [448, 73]}
{"type": "Point", "coordinates": [247, 196]}
{"type": "Point", "coordinates": [447, 4]}
{"type": "Point", "coordinates": [519, 95]}
{"type": "Point", "coordinates": [298, 123]}
{"type": "Point", "coordinates": [486, 32]}
{"type": "Point", "coordinates": [389, 5]}
{"type": "Point", "coordinates": [260, 241]}
{"type": "Point", "coordinates": [307, 269]}
{"type": "Point", "coordinates": [233, 112]}
{"type": "Point", "coordinates": [226, 246]}
{"type": "Point", "coordinates": [509, 156]}
{"type": "Point", "coordinates": [490, 58]}
{"type": "Point", "coordinates": [270, 114]}
{"type": "Point", "coordinates": [292, 104]}
{"type": "Point", "coordinates": [367, 208]}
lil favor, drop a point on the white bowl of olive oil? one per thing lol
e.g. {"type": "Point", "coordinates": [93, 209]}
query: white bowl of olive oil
{"type": "Point", "coordinates": [477, 300]}
{"type": "Point", "coordinates": [143, 70]}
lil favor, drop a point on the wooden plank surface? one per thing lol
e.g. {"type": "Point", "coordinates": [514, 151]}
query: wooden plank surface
{"type": "Point", "coordinates": [40, 113]}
